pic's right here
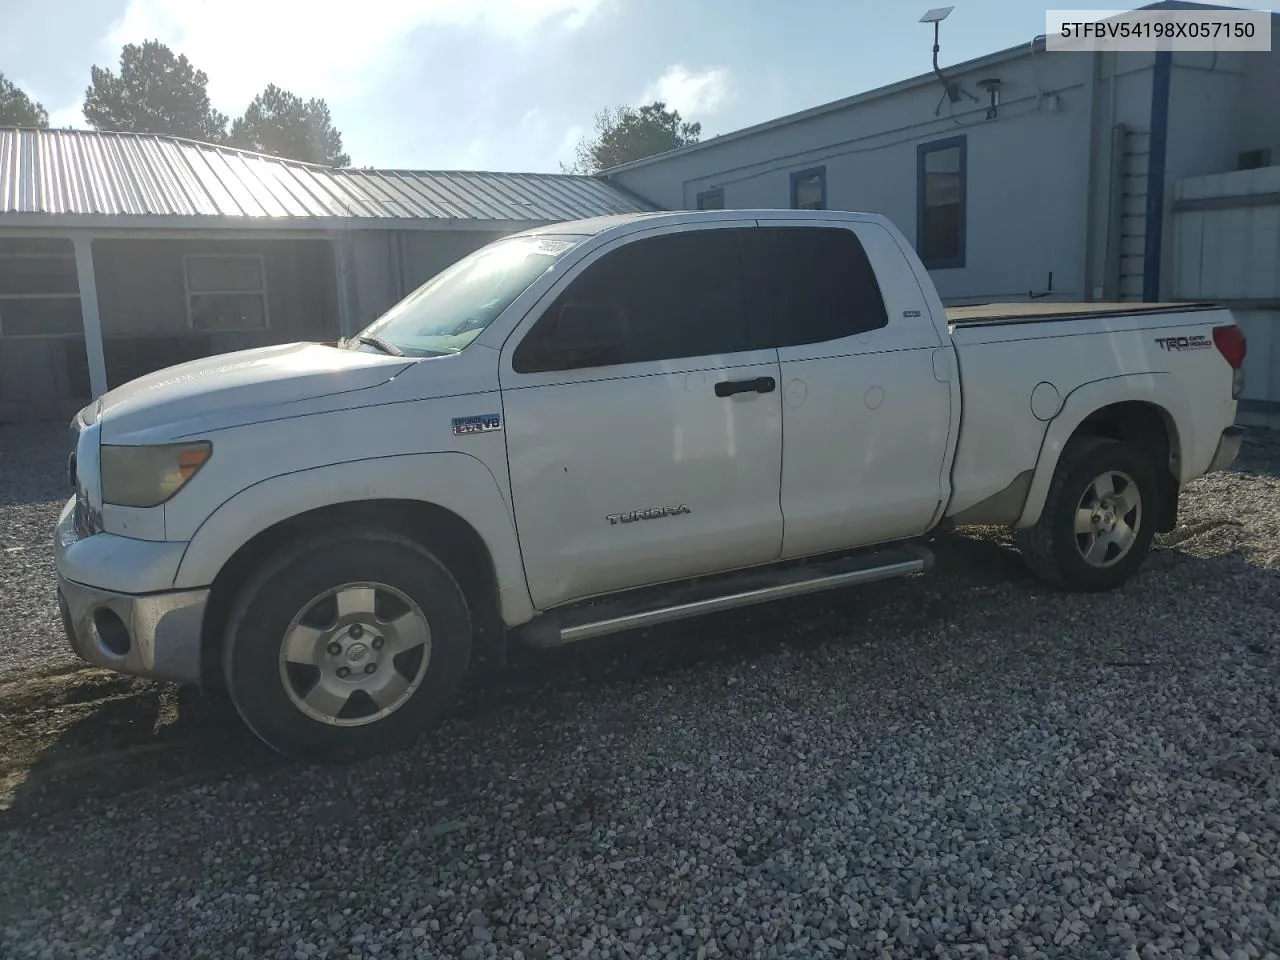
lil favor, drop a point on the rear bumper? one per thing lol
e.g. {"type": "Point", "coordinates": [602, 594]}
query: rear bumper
{"type": "Point", "coordinates": [153, 634]}
{"type": "Point", "coordinates": [1228, 449]}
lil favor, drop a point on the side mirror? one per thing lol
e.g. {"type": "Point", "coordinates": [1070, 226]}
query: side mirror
{"type": "Point", "coordinates": [590, 328]}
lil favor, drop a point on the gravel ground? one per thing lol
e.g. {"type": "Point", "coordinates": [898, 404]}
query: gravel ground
{"type": "Point", "coordinates": [966, 765]}
{"type": "Point", "coordinates": [33, 488]}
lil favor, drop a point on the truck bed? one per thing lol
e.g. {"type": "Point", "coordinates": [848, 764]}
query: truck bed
{"type": "Point", "coordinates": [1043, 311]}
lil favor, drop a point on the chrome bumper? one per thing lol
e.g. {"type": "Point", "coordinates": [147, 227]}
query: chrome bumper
{"type": "Point", "coordinates": [154, 635]}
{"type": "Point", "coordinates": [1228, 449]}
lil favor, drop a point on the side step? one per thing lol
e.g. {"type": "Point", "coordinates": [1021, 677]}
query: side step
{"type": "Point", "coordinates": [665, 603]}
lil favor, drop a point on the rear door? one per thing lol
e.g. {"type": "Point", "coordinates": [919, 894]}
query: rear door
{"type": "Point", "coordinates": [659, 458]}
{"type": "Point", "coordinates": [866, 422]}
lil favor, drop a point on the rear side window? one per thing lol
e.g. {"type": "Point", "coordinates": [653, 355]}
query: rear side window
{"type": "Point", "coordinates": [813, 284]}
{"type": "Point", "coordinates": [677, 295]}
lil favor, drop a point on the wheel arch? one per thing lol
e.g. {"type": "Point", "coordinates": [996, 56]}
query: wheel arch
{"type": "Point", "coordinates": [441, 501]}
{"type": "Point", "coordinates": [1142, 409]}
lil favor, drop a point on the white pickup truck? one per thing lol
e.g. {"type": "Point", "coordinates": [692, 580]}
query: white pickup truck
{"type": "Point", "coordinates": [603, 425]}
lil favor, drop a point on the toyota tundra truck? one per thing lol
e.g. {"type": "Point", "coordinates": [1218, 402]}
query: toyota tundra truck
{"type": "Point", "coordinates": [604, 425]}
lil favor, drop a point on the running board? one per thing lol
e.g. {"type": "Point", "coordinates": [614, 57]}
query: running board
{"type": "Point", "coordinates": [656, 605]}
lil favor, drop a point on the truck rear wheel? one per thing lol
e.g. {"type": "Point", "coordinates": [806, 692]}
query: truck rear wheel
{"type": "Point", "coordinates": [345, 644]}
{"type": "Point", "coordinates": [1098, 519]}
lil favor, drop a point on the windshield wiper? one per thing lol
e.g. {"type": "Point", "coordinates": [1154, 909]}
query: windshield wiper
{"type": "Point", "coordinates": [381, 344]}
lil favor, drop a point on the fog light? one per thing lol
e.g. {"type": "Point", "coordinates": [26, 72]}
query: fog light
{"type": "Point", "coordinates": [112, 633]}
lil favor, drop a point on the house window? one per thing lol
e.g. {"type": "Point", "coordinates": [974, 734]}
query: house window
{"type": "Point", "coordinates": [941, 189]}
{"type": "Point", "coordinates": [226, 292]}
{"type": "Point", "coordinates": [1254, 159]}
{"type": "Point", "coordinates": [39, 288]}
{"type": "Point", "coordinates": [712, 199]}
{"type": "Point", "coordinates": [809, 189]}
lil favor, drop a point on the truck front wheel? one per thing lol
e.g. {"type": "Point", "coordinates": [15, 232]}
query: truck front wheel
{"type": "Point", "coordinates": [1098, 519]}
{"type": "Point", "coordinates": [345, 644]}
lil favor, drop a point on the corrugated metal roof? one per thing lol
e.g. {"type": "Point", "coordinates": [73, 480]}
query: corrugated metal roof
{"type": "Point", "coordinates": [87, 174]}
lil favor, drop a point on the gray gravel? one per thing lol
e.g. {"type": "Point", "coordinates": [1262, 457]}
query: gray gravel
{"type": "Point", "coordinates": [967, 766]}
{"type": "Point", "coordinates": [33, 488]}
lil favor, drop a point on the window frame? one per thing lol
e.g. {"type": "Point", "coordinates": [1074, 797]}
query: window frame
{"type": "Point", "coordinates": [798, 175]}
{"type": "Point", "coordinates": [42, 335]}
{"type": "Point", "coordinates": [547, 301]}
{"type": "Point", "coordinates": [960, 142]}
{"type": "Point", "coordinates": [262, 291]}
{"type": "Point", "coordinates": [717, 192]}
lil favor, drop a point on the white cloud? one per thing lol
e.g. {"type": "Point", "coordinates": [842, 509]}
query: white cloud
{"type": "Point", "coordinates": [694, 93]}
{"type": "Point", "coordinates": [326, 49]}
{"type": "Point", "coordinates": [69, 116]}
{"type": "Point", "coordinates": [66, 115]}
{"type": "Point", "coordinates": [571, 137]}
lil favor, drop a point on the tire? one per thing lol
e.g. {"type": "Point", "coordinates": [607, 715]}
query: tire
{"type": "Point", "coordinates": [346, 644]}
{"type": "Point", "coordinates": [1080, 560]}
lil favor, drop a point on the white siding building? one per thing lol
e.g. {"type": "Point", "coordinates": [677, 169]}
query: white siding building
{"type": "Point", "coordinates": [1088, 181]}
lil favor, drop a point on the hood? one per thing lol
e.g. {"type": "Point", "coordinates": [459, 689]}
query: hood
{"type": "Point", "coordinates": [262, 377]}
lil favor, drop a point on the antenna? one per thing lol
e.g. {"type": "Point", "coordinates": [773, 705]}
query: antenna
{"type": "Point", "coordinates": [936, 16]}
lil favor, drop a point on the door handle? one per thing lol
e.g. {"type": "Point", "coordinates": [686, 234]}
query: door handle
{"type": "Point", "coordinates": [727, 388]}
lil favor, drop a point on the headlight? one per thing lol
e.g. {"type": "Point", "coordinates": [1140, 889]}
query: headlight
{"type": "Point", "coordinates": [147, 476]}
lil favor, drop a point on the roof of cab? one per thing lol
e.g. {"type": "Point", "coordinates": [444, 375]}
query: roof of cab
{"type": "Point", "coordinates": [632, 222]}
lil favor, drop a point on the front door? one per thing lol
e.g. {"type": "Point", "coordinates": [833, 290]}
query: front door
{"type": "Point", "coordinates": [654, 456]}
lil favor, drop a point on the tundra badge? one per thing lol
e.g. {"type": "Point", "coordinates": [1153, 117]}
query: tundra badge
{"type": "Point", "coordinates": [653, 513]}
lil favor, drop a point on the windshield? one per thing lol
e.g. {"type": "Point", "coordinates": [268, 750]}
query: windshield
{"type": "Point", "coordinates": [452, 308]}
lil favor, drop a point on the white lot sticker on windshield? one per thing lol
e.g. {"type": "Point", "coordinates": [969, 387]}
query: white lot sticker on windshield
{"type": "Point", "coordinates": [553, 246]}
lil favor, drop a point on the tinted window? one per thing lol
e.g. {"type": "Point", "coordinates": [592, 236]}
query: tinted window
{"type": "Point", "coordinates": [678, 295]}
{"type": "Point", "coordinates": [815, 284]}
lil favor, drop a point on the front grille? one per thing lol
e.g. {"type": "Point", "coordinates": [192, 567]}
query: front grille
{"type": "Point", "coordinates": [87, 520]}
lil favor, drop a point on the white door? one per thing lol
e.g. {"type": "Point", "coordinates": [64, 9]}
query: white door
{"type": "Point", "coordinates": [866, 421]}
{"type": "Point", "coordinates": [644, 438]}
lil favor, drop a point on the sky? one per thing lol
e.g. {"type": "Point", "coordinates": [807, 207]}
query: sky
{"type": "Point", "coordinates": [510, 84]}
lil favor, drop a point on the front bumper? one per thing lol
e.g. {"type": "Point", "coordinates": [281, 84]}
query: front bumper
{"type": "Point", "coordinates": [154, 634]}
{"type": "Point", "coordinates": [1228, 449]}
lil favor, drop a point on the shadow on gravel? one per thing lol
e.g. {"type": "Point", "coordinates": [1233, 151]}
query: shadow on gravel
{"type": "Point", "coordinates": [84, 735]}
{"type": "Point", "coordinates": [1259, 454]}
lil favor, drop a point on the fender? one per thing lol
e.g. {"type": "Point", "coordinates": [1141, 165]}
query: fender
{"type": "Point", "coordinates": [1161, 390]}
{"type": "Point", "coordinates": [455, 481]}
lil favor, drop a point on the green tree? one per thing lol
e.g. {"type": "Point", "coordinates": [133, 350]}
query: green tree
{"type": "Point", "coordinates": [19, 110]}
{"type": "Point", "coordinates": [156, 91]}
{"type": "Point", "coordinates": [624, 134]}
{"type": "Point", "coordinates": [284, 125]}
